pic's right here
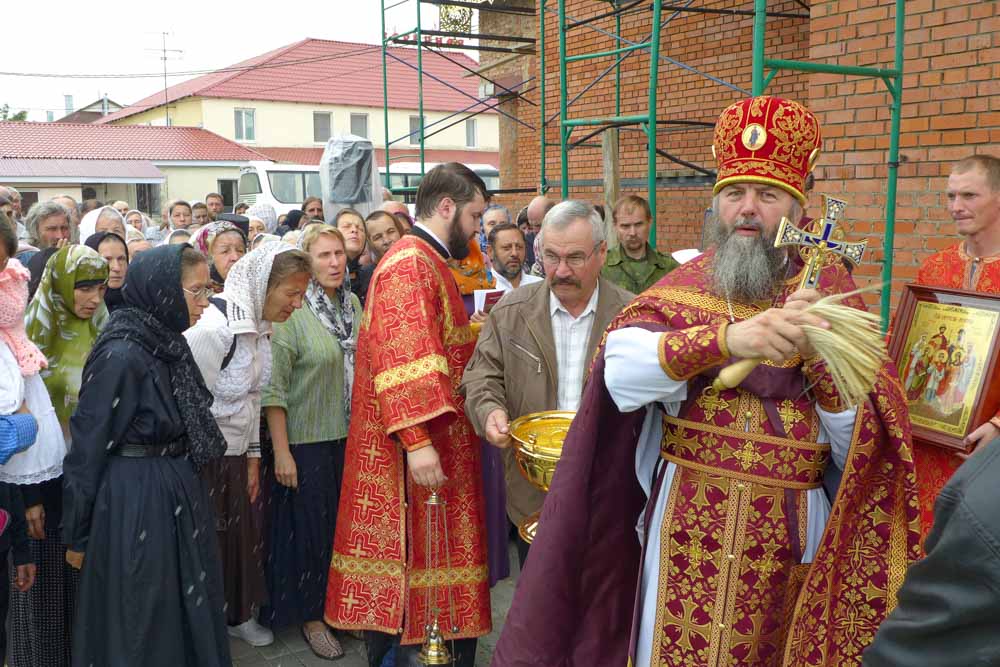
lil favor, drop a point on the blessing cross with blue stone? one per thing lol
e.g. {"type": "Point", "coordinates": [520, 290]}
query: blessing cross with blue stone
{"type": "Point", "coordinates": [821, 248]}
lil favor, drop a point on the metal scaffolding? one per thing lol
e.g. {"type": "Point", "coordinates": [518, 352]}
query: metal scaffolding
{"type": "Point", "coordinates": [893, 80]}
{"type": "Point", "coordinates": [764, 70]}
{"type": "Point", "coordinates": [648, 122]}
{"type": "Point", "coordinates": [424, 41]}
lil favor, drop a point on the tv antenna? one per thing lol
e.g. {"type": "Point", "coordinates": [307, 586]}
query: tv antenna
{"type": "Point", "coordinates": [163, 51]}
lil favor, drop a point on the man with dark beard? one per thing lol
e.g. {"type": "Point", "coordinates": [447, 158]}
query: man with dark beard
{"type": "Point", "coordinates": [408, 437]}
{"type": "Point", "coordinates": [507, 253]}
{"type": "Point", "coordinates": [687, 525]}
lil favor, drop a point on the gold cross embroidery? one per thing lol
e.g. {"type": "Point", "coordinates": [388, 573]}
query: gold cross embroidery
{"type": "Point", "coordinates": [701, 482]}
{"type": "Point", "coordinates": [366, 504]}
{"type": "Point", "coordinates": [357, 551]}
{"type": "Point", "coordinates": [371, 454]}
{"type": "Point", "coordinates": [711, 403]}
{"type": "Point", "coordinates": [789, 415]}
{"type": "Point", "coordinates": [350, 601]}
{"type": "Point", "coordinates": [809, 463]}
{"type": "Point", "coordinates": [695, 552]}
{"type": "Point", "coordinates": [756, 639]}
{"type": "Point", "coordinates": [748, 456]}
{"type": "Point", "coordinates": [765, 566]}
{"type": "Point", "coordinates": [687, 624]}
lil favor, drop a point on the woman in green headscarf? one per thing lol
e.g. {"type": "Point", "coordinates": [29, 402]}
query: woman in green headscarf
{"type": "Point", "coordinates": [63, 320]}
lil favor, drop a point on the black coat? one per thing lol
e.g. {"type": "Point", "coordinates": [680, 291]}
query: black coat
{"type": "Point", "coordinates": [950, 601]}
{"type": "Point", "coordinates": [14, 536]}
{"type": "Point", "coordinates": [151, 586]}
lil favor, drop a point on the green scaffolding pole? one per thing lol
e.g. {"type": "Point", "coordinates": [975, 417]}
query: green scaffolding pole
{"type": "Point", "coordinates": [543, 181]}
{"type": "Point", "coordinates": [385, 102]}
{"type": "Point", "coordinates": [646, 121]}
{"type": "Point", "coordinates": [893, 80]}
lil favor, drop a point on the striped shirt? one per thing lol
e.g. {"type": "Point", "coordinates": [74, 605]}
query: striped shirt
{"type": "Point", "coordinates": [571, 338]}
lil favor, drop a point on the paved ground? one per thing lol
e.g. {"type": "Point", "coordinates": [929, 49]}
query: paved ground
{"type": "Point", "coordinates": [290, 649]}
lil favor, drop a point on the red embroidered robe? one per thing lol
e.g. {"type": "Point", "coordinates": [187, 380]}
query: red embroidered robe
{"type": "Point", "coordinates": [955, 269]}
{"type": "Point", "coordinates": [731, 588]}
{"type": "Point", "coordinates": [735, 529]}
{"type": "Point", "coordinates": [413, 346]}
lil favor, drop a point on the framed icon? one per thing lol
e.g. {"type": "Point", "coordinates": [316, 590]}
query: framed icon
{"type": "Point", "coordinates": [946, 345]}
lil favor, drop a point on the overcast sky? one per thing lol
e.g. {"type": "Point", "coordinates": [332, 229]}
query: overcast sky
{"type": "Point", "coordinates": [111, 37]}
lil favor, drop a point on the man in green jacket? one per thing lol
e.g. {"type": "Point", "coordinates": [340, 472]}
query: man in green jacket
{"type": "Point", "coordinates": [635, 265]}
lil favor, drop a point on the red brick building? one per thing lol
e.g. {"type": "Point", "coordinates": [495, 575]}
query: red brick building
{"type": "Point", "coordinates": [951, 105]}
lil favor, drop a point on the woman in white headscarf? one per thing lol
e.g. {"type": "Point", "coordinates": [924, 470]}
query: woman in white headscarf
{"type": "Point", "coordinates": [266, 214]}
{"type": "Point", "coordinates": [104, 219]}
{"type": "Point", "coordinates": [231, 345]}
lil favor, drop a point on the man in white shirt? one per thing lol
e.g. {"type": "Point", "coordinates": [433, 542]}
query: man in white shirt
{"type": "Point", "coordinates": [537, 342]}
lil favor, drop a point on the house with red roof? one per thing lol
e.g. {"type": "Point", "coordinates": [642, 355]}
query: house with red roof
{"type": "Point", "coordinates": [286, 103]}
{"type": "Point", "coordinates": [142, 165]}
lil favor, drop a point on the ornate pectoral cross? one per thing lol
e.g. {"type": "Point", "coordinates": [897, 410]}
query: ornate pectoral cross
{"type": "Point", "coordinates": [822, 243]}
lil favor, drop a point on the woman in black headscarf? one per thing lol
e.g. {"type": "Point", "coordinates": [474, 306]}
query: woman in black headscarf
{"type": "Point", "coordinates": [136, 514]}
{"type": "Point", "coordinates": [292, 221]}
{"type": "Point", "coordinates": [114, 250]}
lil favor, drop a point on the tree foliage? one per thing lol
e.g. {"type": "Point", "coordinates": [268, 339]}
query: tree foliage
{"type": "Point", "coordinates": [5, 114]}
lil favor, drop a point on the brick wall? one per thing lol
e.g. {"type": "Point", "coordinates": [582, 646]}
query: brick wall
{"type": "Point", "coordinates": [510, 73]}
{"type": "Point", "coordinates": [718, 45]}
{"type": "Point", "coordinates": [951, 109]}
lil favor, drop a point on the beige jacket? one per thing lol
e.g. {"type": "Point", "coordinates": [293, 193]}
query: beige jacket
{"type": "Point", "coordinates": [514, 368]}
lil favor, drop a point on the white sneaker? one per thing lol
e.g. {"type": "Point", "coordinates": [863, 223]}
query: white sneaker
{"type": "Point", "coordinates": [252, 633]}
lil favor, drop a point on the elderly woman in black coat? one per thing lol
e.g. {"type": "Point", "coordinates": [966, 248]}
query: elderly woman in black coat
{"type": "Point", "coordinates": [136, 514]}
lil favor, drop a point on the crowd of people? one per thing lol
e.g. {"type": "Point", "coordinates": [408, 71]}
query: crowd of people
{"type": "Point", "coordinates": [222, 424]}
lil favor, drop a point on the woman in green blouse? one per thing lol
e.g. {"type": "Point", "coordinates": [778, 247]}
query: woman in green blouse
{"type": "Point", "coordinates": [308, 407]}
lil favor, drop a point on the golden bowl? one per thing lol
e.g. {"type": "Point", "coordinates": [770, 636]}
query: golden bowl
{"type": "Point", "coordinates": [538, 441]}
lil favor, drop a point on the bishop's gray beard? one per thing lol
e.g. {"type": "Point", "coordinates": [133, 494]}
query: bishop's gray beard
{"type": "Point", "coordinates": [746, 269]}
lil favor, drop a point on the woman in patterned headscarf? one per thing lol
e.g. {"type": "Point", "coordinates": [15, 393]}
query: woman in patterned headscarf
{"type": "Point", "coordinates": [223, 243]}
{"type": "Point", "coordinates": [231, 345]}
{"type": "Point", "coordinates": [266, 214]}
{"type": "Point", "coordinates": [63, 320]}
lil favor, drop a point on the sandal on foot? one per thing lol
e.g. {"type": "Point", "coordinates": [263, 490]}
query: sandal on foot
{"type": "Point", "coordinates": [323, 644]}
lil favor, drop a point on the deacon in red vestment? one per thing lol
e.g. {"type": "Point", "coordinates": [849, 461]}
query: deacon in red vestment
{"type": "Point", "coordinates": [972, 264]}
{"type": "Point", "coordinates": [408, 435]}
{"type": "Point", "coordinates": [760, 526]}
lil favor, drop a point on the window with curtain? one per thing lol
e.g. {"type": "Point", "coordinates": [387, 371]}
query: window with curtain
{"type": "Point", "coordinates": [245, 125]}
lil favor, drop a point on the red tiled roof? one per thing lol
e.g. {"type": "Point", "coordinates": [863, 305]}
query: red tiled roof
{"type": "Point", "coordinates": [329, 72]}
{"type": "Point", "coordinates": [85, 171]}
{"type": "Point", "coordinates": [118, 142]}
{"type": "Point", "coordinates": [313, 155]}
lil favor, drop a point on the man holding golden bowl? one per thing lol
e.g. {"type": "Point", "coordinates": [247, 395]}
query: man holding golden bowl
{"type": "Point", "coordinates": [536, 345]}
{"type": "Point", "coordinates": [763, 525]}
